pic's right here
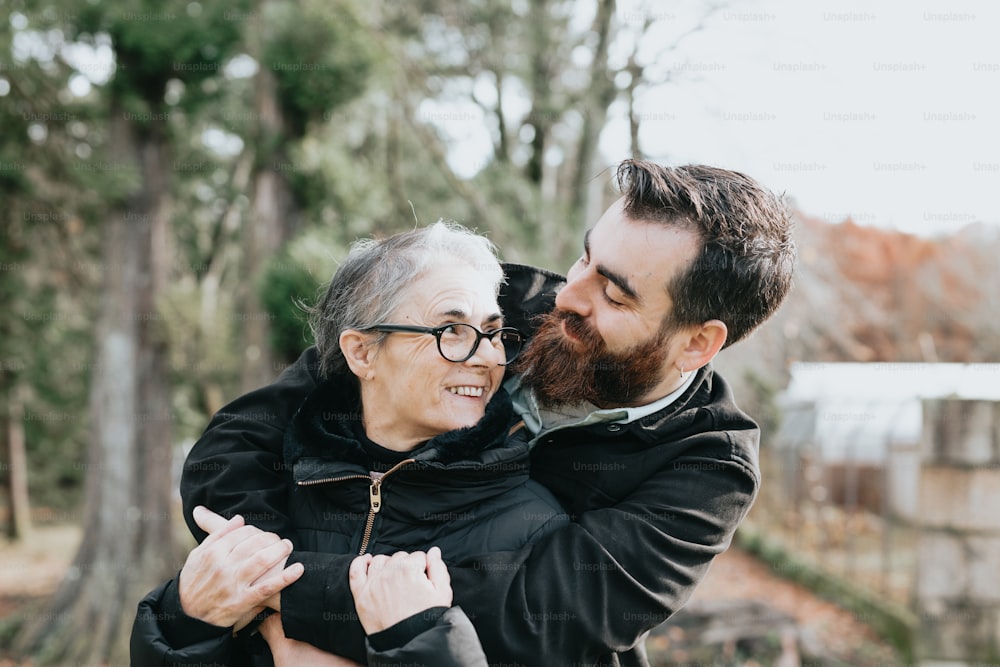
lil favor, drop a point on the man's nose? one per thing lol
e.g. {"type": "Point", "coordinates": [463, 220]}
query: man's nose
{"type": "Point", "coordinates": [573, 297]}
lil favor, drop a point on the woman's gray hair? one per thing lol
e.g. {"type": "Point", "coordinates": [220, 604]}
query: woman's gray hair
{"type": "Point", "coordinates": [375, 279]}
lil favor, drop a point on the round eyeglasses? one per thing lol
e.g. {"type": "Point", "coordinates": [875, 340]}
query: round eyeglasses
{"type": "Point", "coordinates": [458, 342]}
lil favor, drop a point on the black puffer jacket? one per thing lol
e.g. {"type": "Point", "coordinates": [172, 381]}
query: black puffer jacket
{"type": "Point", "coordinates": [465, 491]}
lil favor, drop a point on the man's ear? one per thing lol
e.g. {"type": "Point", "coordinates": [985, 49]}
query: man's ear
{"type": "Point", "coordinates": [359, 352]}
{"type": "Point", "coordinates": [702, 344]}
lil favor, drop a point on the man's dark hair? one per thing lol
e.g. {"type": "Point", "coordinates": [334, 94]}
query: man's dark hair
{"type": "Point", "coordinates": [744, 269]}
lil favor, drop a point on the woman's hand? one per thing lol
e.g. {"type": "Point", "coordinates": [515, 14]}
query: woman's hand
{"type": "Point", "coordinates": [389, 589]}
{"type": "Point", "coordinates": [292, 653]}
{"type": "Point", "coordinates": [233, 573]}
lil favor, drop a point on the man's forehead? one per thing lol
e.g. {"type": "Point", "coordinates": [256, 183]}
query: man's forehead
{"type": "Point", "coordinates": [647, 254]}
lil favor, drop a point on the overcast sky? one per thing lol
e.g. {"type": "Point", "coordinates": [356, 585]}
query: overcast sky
{"type": "Point", "coordinates": [887, 111]}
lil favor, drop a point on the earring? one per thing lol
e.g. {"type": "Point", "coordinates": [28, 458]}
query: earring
{"type": "Point", "coordinates": [682, 371]}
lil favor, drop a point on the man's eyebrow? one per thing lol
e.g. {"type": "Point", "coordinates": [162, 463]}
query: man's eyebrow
{"type": "Point", "coordinates": [620, 281]}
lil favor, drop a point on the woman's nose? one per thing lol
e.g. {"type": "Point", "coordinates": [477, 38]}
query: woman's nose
{"type": "Point", "coordinates": [487, 354]}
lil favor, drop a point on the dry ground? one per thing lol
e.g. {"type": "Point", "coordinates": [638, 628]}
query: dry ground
{"type": "Point", "coordinates": [827, 634]}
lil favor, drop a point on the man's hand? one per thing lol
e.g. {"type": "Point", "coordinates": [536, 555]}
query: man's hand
{"type": "Point", "coordinates": [291, 653]}
{"type": "Point", "coordinates": [234, 571]}
{"type": "Point", "coordinates": [389, 589]}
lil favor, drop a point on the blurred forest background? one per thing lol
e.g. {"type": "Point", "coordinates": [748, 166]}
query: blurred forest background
{"type": "Point", "coordinates": [174, 175]}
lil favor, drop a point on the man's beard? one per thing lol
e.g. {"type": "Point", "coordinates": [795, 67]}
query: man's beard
{"type": "Point", "coordinates": [563, 371]}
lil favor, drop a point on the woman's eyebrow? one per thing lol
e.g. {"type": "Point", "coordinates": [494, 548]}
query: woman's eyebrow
{"type": "Point", "coordinates": [495, 319]}
{"type": "Point", "coordinates": [457, 314]}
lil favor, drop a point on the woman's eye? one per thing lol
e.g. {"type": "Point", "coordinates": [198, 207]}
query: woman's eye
{"type": "Point", "coordinates": [450, 330]}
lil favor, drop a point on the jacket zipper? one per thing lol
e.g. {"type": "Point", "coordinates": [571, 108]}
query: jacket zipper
{"type": "Point", "coordinates": [374, 496]}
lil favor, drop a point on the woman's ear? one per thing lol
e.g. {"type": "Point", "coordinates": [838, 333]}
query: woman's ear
{"type": "Point", "coordinates": [359, 350]}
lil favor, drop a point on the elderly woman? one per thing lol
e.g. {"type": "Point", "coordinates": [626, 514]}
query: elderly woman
{"type": "Point", "coordinates": [404, 446]}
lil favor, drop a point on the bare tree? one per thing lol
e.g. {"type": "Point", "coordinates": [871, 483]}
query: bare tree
{"type": "Point", "coordinates": [272, 210]}
{"type": "Point", "coordinates": [128, 540]}
{"type": "Point", "coordinates": [545, 80]}
{"type": "Point", "coordinates": [15, 458]}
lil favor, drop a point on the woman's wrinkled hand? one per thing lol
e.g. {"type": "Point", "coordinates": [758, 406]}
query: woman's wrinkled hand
{"type": "Point", "coordinates": [388, 589]}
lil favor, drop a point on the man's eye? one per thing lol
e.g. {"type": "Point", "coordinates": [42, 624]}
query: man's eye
{"type": "Point", "coordinates": [608, 298]}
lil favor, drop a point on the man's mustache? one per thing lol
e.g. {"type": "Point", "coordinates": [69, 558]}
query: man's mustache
{"type": "Point", "coordinates": [575, 325]}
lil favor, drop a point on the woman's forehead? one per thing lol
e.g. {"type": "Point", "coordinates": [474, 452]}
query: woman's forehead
{"type": "Point", "coordinates": [452, 293]}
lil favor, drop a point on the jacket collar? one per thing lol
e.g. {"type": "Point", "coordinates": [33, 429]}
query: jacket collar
{"type": "Point", "coordinates": [707, 404]}
{"type": "Point", "coordinates": [324, 429]}
{"type": "Point", "coordinates": [528, 292]}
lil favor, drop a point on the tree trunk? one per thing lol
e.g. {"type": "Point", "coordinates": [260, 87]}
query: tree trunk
{"type": "Point", "coordinates": [636, 73]}
{"type": "Point", "coordinates": [585, 193]}
{"type": "Point", "coordinates": [16, 461]}
{"type": "Point", "coordinates": [127, 545]}
{"type": "Point", "coordinates": [272, 218]}
{"type": "Point", "coordinates": [502, 149]}
{"type": "Point", "coordinates": [394, 160]}
{"type": "Point", "coordinates": [213, 398]}
{"type": "Point", "coordinates": [543, 114]}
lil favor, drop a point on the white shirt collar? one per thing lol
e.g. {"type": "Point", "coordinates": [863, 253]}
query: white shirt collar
{"type": "Point", "coordinates": [541, 420]}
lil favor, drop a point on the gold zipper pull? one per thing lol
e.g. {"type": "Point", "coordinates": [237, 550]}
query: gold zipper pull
{"type": "Point", "coordinates": [375, 501]}
{"type": "Point", "coordinates": [375, 495]}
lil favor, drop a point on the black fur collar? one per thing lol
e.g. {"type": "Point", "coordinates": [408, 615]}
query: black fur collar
{"type": "Point", "coordinates": [324, 427]}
